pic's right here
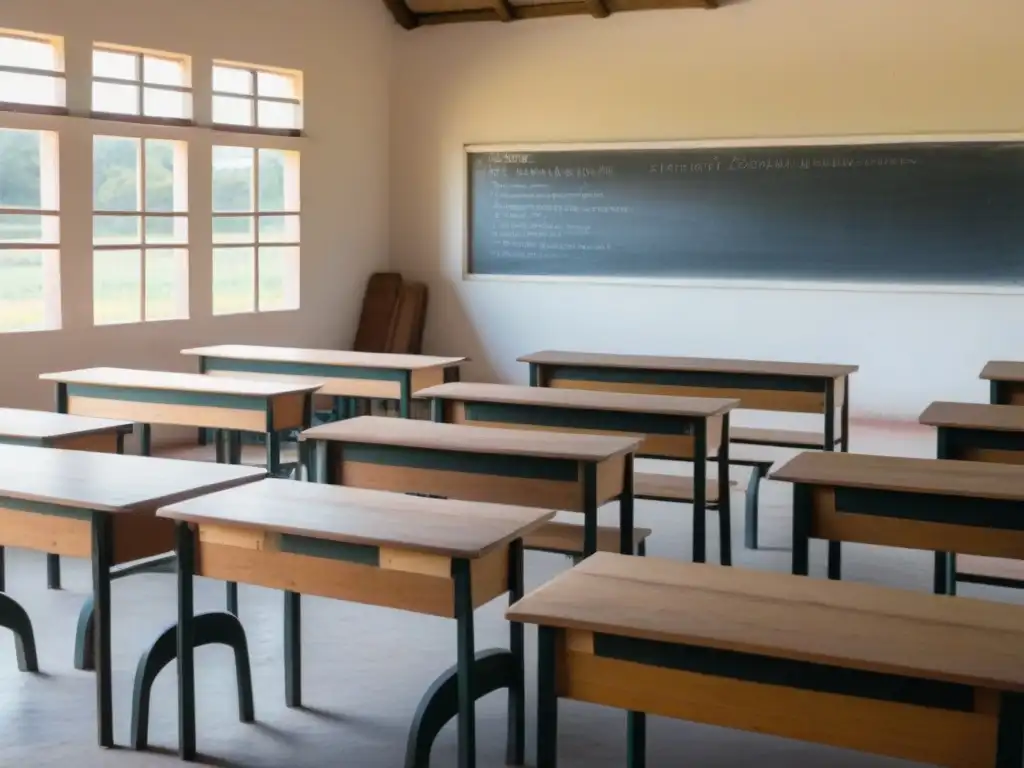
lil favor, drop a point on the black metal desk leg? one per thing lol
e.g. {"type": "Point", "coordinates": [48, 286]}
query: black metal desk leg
{"type": "Point", "coordinates": [700, 483]}
{"type": "Point", "coordinates": [589, 509]}
{"type": "Point", "coordinates": [466, 657]}
{"type": "Point", "coordinates": [626, 508]}
{"type": "Point", "coordinates": [515, 750]}
{"type": "Point", "coordinates": [185, 544]}
{"type": "Point", "coordinates": [547, 697]}
{"type": "Point", "coordinates": [102, 556]}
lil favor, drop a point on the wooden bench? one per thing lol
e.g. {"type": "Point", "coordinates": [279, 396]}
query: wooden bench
{"type": "Point", "coordinates": [98, 506]}
{"type": "Point", "coordinates": [569, 472]}
{"type": "Point", "coordinates": [430, 556]}
{"type": "Point", "coordinates": [757, 384]}
{"type": "Point", "coordinates": [568, 539]}
{"type": "Point", "coordinates": [59, 430]}
{"type": "Point", "coordinates": [692, 429]}
{"type": "Point", "coordinates": [919, 677]}
{"type": "Point", "coordinates": [976, 432]}
{"type": "Point", "coordinates": [941, 505]}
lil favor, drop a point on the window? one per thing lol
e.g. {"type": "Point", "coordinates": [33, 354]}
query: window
{"type": "Point", "coordinates": [29, 231]}
{"type": "Point", "coordinates": [255, 230]}
{"type": "Point", "coordinates": [31, 72]}
{"type": "Point", "coordinates": [256, 98]}
{"type": "Point", "coordinates": [136, 83]}
{"type": "Point", "coordinates": [140, 230]}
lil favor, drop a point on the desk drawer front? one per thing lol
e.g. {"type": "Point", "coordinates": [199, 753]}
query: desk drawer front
{"type": "Point", "coordinates": [665, 436]}
{"type": "Point", "coordinates": [991, 527]}
{"type": "Point", "coordinates": [190, 409]}
{"type": "Point", "coordinates": [756, 391]}
{"type": "Point", "coordinates": [983, 445]}
{"type": "Point", "coordinates": [338, 380]}
{"type": "Point", "coordinates": [932, 722]}
{"type": "Point", "coordinates": [45, 528]}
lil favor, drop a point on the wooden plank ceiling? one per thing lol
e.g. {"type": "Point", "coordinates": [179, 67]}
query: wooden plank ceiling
{"type": "Point", "coordinates": [414, 13]}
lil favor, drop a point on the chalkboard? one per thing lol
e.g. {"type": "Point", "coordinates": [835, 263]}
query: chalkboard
{"type": "Point", "coordinates": [938, 213]}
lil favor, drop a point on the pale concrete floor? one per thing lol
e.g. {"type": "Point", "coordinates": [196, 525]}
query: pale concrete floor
{"type": "Point", "coordinates": [365, 668]}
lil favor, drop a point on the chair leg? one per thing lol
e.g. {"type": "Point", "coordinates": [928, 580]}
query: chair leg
{"type": "Point", "coordinates": [750, 527]}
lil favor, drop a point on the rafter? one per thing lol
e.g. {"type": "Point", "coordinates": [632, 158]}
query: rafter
{"type": "Point", "coordinates": [405, 18]}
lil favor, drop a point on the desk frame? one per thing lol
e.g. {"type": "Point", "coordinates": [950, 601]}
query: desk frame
{"type": "Point", "coordinates": [660, 428]}
{"type": "Point", "coordinates": [453, 693]}
{"type": "Point", "coordinates": [777, 392]}
{"type": "Point", "coordinates": [405, 470]}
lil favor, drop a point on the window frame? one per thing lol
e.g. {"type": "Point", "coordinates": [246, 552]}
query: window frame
{"type": "Point", "coordinates": [254, 98]}
{"type": "Point", "coordinates": [49, 192]}
{"type": "Point", "coordinates": [182, 150]}
{"type": "Point", "coordinates": [140, 54]}
{"type": "Point", "coordinates": [256, 244]}
{"type": "Point", "coordinates": [59, 74]}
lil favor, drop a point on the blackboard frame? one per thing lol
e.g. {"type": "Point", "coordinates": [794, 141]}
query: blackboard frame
{"type": "Point", "coordinates": [472, 148]}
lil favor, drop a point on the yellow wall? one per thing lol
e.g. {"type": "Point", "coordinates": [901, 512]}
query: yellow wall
{"type": "Point", "coordinates": [343, 48]}
{"type": "Point", "coordinates": [751, 69]}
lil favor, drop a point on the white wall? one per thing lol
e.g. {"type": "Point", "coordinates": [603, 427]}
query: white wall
{"type": "Point", "coordinates": [753, 68]}
{"type": "Point", "coordinates": [343, 48]}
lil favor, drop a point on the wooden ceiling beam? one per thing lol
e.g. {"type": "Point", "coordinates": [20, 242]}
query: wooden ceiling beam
{"type": "Point", "coordinates": [598, 9]}
{"type": "Point", "coordinates": [405, 18]}
{"type": "Point", "coordinates": [504, 10]}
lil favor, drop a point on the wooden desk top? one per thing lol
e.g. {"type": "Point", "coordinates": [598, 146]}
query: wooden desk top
{"type": "Point", "coordinates": [47, 425]}
{"type": "Point", "coordinates": [955, 639]}
{"type": "Point", "coordinates": [664, 363]}
{"type": "Point", "coordinates": [1000, 418]}
{"type": "Point", "coordinates": [110, 482]}
{"type": "Point", "coordinates": [582, 399]}
{"type": "Point", "coordinates": [324, 357]}
{"type": "Point", "coordinates": [976, 479]}
{"type": "Point", "coordinates": [378, 518]}
{"type": "Point", "coordinates": [1003, 370]}
{"type": "Point", "coordinates": [180, 382]}
{"type": "Point", "coordinates": [412, 433]}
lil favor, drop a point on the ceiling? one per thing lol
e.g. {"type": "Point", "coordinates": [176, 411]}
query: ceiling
{"type": "Point", "coordinates": [414, 13]}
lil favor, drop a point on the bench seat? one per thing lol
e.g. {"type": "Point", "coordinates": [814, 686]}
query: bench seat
{"type": "Point", "coordinates": [567, 538]}
{"type": "Point", "coordinates": [672, 488]}
{"type": "Point", "coordinates": [779, 438]}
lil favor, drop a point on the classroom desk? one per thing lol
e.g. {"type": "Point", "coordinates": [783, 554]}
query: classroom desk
{"type": "Point", "coordinates": [341, 374]}
{"type": "Point", "coordinates": [683, 428]}
{"type": "Point", "coordinates": [430, 556]}
{"type": "Point", "coordinates": [189, 400]}
{"type": "Point", "coordinates": [1006, 382]}
{"type": "Point", "coordinates": [564, 471]}
{"type": "Point", "coordinates": [99, 506]}
{"type": "Point", "coordinates": [885, 671]}
{"type": "Point", "coordinates": [976, 432]}
{"type": "Point", "coordinates": [757, 384]}
{"type": "Point", "coordinates": [940, 505]}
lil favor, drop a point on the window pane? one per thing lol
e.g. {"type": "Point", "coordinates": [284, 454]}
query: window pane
{"type": "Point", "coordinates": [163, 71]}
{"type": "Point", "coordinates": [273, 84]}
{"type": "Point", "coordinates": [233, 179]}
{"type": "Point", "coordinates": [115, 98]}
{"type": "Point", "coordinates": [116, 230]}
{"type": "Point", "coordinates": [157, 102]}
{"type": "Point", "coordinates": [115, 174]}
{"type": "Point", "coordinates": [275, 114]}
{"type": "Point", "coordinates": [279, 229]}
{"type": "Point", "coordinates": [234, 280]}
{"type": "Point", "coordinates": [117, 64]}
{"type": "Point", "coordinates": [38, 90]}
{"type": "Point", "coordinates": [232, 110]}
{"type": "Point", "coordinates": [166, 179]}
{"type": "Point", "coordinates": [28, 53]}
{"type": "Point", "coordinates": [29, 228]}
{"type": "Point", "coordinates": [20, 177]}
{"type": "Point", "coordinates": [167, 230]}
{"type": "Point", "coordinates": [279, 278]}
{"type": "Point", "coordinates": [234, 229]}
{"type": "Point", "coordinates": [166, 284]}
{"type": "Point", "coordinates": [232, 80]}
{"type": "Point", "coordinates": [23, 290]}
{"type": "Point", "coordinates": [273, 180]}
{"type": "Point", "coordinates": [117, 287]}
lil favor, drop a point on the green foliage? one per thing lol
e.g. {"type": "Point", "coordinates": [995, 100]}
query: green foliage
{"type": "Point", "coordinates": [19, 169]}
